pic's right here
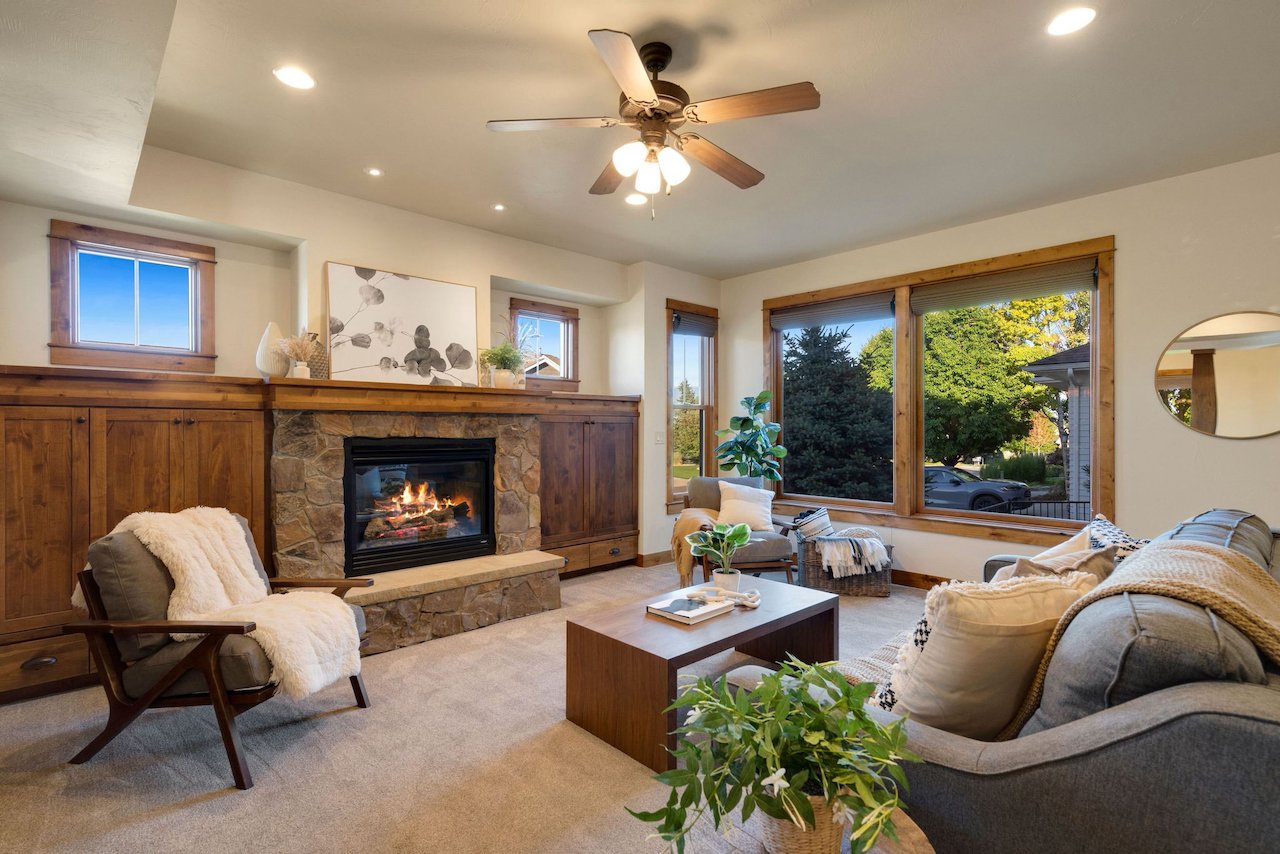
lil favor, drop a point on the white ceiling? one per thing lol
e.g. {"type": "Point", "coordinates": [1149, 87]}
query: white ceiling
{"type": "Point", "coordinates": [935, 112]}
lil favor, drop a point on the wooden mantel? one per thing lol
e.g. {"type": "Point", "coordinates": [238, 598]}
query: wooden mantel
{"type": "Point", "coordinates": [53, 386]}
{"type": "Point", "coordinates": [345, 395]}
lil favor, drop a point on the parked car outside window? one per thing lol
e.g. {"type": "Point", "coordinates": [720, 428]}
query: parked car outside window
{"type": "Point", "coordinates": [953, 488]}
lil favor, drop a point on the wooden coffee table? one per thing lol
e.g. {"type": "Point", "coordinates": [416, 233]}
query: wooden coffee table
{"type": "Point", "coordinates": [621, 663]}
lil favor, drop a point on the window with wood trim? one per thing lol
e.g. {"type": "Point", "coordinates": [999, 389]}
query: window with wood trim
{"type": "Point", "coordinates": [548, 336]}
{"type": "Point", "coordinates": [691, 395]}
{"type": "Point", "coordinates": [122, 300]}
{"type": "Point", "coordinates": [973, 399]}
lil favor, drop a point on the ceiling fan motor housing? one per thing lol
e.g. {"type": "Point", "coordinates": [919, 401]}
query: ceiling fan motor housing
{"type": "Point", "coordinates": [672, 100]}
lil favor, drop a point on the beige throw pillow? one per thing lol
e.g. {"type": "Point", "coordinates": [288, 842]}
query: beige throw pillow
{"type": "Point", "coordinates": [974, 654]}
{"type": "Point", "coordinates": [1099, 562]}
{"type": "Point", "coordinates": [745, 504]}
{"type": "Point", "coordinates": [1077, 543]}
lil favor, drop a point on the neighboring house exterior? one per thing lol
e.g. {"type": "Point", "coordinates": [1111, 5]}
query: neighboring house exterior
{"type": "Point", "coordinates": [544, 366]}
{"type": "Point", "coordinates": [1068, 371]}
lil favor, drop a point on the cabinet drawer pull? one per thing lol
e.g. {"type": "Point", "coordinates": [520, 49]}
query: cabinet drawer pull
{"type": "Point", "coordinates": [191, 421]}
{"type": "Point", "coordinates": [177, 421]}
{"type": "Point", "coordinates": [40, 662]}
{"type": "Point", "coordinates": [80, 419]}
{"type": "Point", "coordinates": [615, 551]}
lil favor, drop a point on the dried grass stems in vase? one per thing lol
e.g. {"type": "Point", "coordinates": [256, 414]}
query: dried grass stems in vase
{"type": "Point", "coordinates": [300, 349]}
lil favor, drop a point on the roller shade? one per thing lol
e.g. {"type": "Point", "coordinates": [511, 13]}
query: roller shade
{"type": "Point", "coordinates": [840, 312]}
{"type": "Point", "coordinates": [1029, 283]}
{"type": "Point", "coordinates": [688, 323]}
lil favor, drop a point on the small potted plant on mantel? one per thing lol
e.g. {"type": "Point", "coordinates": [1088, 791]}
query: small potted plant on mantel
{"type": "Point", "coordinates": [504, 361]}
{"type": "Point", "coordinates": [799, 752]}
{"type": "Point", "coordinates": [718, 543]}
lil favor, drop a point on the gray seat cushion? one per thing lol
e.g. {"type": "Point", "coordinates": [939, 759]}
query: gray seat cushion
{"type": "Point", "coordinates": [1123, 647]}
{"type": "Point", "coordinates": [1233, 529]}
{"type": "Point", "coordinates": [764, 546]}
{"type": "Point", "coordinates": [135, 585]}
{"type": "Point", "coordinates": [243, 664]}
{"type": "Point", "coordinates": [705, 491]}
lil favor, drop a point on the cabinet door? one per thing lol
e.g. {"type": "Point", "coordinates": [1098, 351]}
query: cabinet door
{"type": "Point", "coordinates": [612, 485]}
{"type": "Point", "coordinates": [45, 528]}
{"type": "Point", "coordinates": [225, 464]}
{"type": "Point", "coordinates": [136, 459]}
{"type": "Point", "coordinates": [563, 487]}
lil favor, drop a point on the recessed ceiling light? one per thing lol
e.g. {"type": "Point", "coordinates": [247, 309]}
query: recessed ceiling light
{"type": "Point", "coordinates": [292, 75]}
{"type": "Point", "coordinates": [373, 172]}
{"type": "Point", "coordinates": [498, 206]}
{"type": "Point", "coordinates": [1071, 20]}
{"type": "Point", "coordinates": [636, 198]}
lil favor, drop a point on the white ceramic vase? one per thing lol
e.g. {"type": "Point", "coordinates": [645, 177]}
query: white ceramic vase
{"type": "Point", "coordinates": [300, 371]}
{"type": "Point", "coordinates": [270, 361]}
{"type": "Point", "coordinates": [726, 580]}
{"type": "Point", "coordinates": [504, 378]}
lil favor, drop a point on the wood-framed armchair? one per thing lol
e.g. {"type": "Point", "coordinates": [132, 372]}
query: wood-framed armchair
{"type": "Point", "coordinates": [126, 591]}
{"type": "Point", "coordinates": [769, 551]}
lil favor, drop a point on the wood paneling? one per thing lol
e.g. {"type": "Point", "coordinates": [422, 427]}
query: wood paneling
{"type": "Point", "coordinates": [613, 503]}
{"type": "Point", "coordinates": [45, 527]}
{"type": "Point", "coordinates": [136, 463]}
{"type": "Point", "coordinates": [563, 489]}
{"type": "Point", "coordinates": [225, 464]}
{"type": "Point", "coordinates": [334, 395]}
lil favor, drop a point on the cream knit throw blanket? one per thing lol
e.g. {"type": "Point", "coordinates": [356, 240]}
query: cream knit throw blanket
{"type": "Point", "coordinates": [309, 637]}
{"type": "Point", "coordinates": [1228, 583]}
{"type": "Point", "coordinates": [690, 519]}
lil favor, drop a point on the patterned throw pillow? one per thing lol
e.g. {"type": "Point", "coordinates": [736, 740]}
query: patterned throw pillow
{"type": "Point", "coordinates": [814, 523]}
{"type": "Point", "coordinates": [1103, 533]}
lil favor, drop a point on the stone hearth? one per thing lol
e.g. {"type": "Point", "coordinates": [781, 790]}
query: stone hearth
{"type": "Point", "coordinates": [306, 481]}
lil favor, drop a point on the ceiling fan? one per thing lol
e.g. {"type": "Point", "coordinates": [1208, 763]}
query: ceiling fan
{"type": "Point", "coordinates": [657, 108]}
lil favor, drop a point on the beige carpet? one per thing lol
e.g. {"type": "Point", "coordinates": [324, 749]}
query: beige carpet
{"type": "Point", "coordinates": [465, 749]}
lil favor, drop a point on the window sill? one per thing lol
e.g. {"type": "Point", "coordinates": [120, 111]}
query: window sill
{"type": "Point", "coordinates": [1046, 532]}
{"type": "Point", "coordinates": [86, 355]}
{"type": "Point", "coordinates": [545, 384]}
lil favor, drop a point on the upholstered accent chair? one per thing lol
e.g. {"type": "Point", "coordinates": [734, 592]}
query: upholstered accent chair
{"type": "Point", "coordinates": [768, 551]}
{"type": "Point", "coordinates": [127, 590]}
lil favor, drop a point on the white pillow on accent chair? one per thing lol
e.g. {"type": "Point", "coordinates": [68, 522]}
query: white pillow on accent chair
{"type": "Point", "coordinates": [745, 504]}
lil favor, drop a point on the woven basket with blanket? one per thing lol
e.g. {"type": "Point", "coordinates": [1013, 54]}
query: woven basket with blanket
{"type": "Point", "coordinates": [853, 561]}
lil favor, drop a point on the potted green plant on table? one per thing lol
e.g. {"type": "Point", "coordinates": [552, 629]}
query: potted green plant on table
{"type": "Point", "coordinates": [717, 544]}
{"type": "Point", "coordinates": [753, 448]}
{"type": "Point", "coordinates": [799, 748]}
{"type": "Point", "coordinates": [504, 361]}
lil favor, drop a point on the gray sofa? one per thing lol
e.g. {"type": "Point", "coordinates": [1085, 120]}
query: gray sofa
{"type": "Point", "coordinates": [1159, 732]}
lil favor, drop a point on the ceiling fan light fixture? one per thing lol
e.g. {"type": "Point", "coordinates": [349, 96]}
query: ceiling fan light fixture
{"type": "Point", "coordinates": [649, 177]}
{"type": "Point", "coordinates": [627, 158]}
{"type": "Point", "coordinates": [674, 167]}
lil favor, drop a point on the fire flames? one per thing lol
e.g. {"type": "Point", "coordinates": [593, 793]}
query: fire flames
{"type": "Point", "coordinates": [416, 513]}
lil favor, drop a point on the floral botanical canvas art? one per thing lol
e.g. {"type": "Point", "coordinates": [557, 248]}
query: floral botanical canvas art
{"type": "Point", "coordinates": [396, 328]}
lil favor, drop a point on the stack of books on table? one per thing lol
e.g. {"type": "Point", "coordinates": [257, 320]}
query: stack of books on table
{"type": "Point", "coordinates": [689, 611]}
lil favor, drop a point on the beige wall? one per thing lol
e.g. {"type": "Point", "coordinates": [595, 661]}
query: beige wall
{"type": "Point", "coordinates": [1187, 248]}
{"type": "Point", "coordinates": [334, 227]}
{"type": "Point", "coordinates": [253, 287]}
{"type": "Point", "coordinates": [1248, 387]}
{"type": "Point", "coordinates": [593, 345]}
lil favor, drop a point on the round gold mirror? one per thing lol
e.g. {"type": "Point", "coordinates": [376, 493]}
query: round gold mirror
{"type": "Point", "coordinates": [1222, 376]}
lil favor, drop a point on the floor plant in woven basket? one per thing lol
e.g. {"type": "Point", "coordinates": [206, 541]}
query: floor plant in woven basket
{"type": "Point", "coordinates": [799, 749]}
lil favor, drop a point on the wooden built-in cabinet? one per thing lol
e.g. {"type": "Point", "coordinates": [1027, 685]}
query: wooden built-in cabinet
{"type": "Point", "coordinates": [590, 496]}
{"type": "Point", "coordinates": [72, 472]}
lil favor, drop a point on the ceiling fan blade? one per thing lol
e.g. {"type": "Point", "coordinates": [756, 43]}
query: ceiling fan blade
{"type": "Point", "coordinates": [619, 53]}
{"type": "Point", "coordinates": [609, 180]}
{"type": "Point", "coordinates": [720, 161]}
{"type": "Point", "coordinates": [507, 125]}
{"type": "Point", "coordinates": [765, 102]}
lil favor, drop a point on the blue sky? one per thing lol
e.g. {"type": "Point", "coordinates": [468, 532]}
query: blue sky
{"type": "Point", "coordinates": [106, 301]}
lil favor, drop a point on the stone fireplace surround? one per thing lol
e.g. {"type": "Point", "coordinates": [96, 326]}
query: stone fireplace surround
{"type": "Point", "coordinates": [307, 460]}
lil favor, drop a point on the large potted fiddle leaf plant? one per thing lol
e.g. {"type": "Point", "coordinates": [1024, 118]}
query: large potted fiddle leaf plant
{"type": "Point", "coordinates": [799, 749]}
{"type": "Point", "coordinates": [753, 448]}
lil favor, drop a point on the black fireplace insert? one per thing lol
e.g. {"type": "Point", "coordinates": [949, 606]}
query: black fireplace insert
{"type": "Point", "coordinates": [412, 502]}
